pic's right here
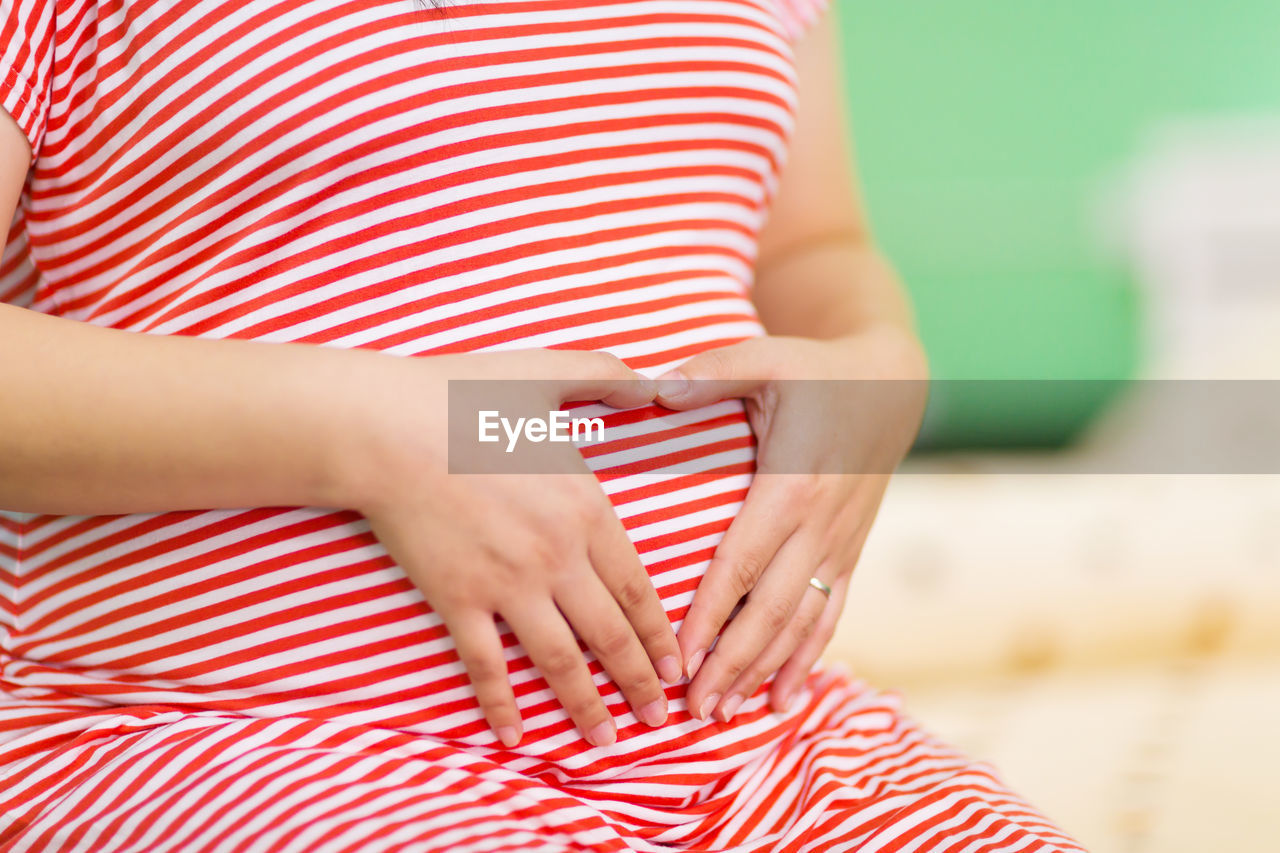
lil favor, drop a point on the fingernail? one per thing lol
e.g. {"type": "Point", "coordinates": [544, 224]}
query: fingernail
{"type": "Point", "coordinates": [730, 707]}
{"type": "Point", "coordinates": [696, 661]}
{"type": "Point", "coordinates": [603, 734]}
{"type": "Point", "coordinates": [508, 735]}
{"type": "Point", "coordinates": [707, 705]}
{"type": "Point", "coordinates": [673, 383]}
{"type": "Point", "coordinates": [648, 386]}
{"type": "Point", "coordinates": [669, 670]}
{"type": "Point", "coordinates": [654, 714]}
{"type": "Point", "coordinates": [787, 701]}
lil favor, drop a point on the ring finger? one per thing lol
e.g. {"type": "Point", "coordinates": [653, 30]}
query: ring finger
{"type": "Point", "coordinates": [553, 648]}
{"type": "Point", "coordinates": [769, 609]}
{"type": "Point", "coordinates": [813, 604]}
{"type": "Point", "coordinates": [595, 616]}
{"type": "Point", "coordinates": [791, 676]}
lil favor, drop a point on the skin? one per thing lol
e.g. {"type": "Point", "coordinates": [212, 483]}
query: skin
{"type": "Point", "coordinates": [118, 422]}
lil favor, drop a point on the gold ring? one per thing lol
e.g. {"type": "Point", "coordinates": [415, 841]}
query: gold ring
{"type": "Point", "coordinates": [820, 587]}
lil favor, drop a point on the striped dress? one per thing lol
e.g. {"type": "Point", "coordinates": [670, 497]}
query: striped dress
{"type": "Point", "coordinates": [583, 174]}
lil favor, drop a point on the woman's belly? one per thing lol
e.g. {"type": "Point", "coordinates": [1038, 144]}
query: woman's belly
{"type": "Point", "coordinates": [300, 611]}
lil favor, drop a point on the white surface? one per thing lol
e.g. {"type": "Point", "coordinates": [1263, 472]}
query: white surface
{"type": "Point", "coordinates": [1199, 218]}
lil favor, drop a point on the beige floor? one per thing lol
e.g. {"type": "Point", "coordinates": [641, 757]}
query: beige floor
{"type": "Point", "coordinates": [1111, 644]}
{"type": "Point", "coordinates": [1163, 759]}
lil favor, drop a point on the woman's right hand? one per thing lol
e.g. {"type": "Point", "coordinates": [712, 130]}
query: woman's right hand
{"type": "Point", "coordinates": [545, 552]}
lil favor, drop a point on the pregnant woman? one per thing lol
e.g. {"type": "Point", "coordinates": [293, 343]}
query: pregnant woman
{"type": "Point", "coordinates": [245, 604]}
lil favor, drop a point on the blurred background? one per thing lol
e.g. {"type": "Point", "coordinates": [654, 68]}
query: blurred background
{"type": "Point", "coordinates": [1079, 191]}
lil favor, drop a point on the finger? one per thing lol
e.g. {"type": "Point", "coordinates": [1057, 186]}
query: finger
{"type": "Point", "coordinates": [768, 611]}
{"type": "Point", "coordinates": [813, 603]}
{"type": "Point", "coordinates": [766, 520]}
{"type": "Point", "coordinates": [480, 649]}
{"type": "Point", "coordinates": [614, 558]}
{"type": "Point", "coordinates": [604, 377]}
{"type": "Point", "coordinates": [554, 649]}
{"type": "Point", "coordinates": [795, 671]}
{"type": "Point", "coordinates": [738, 370]}
{"type": "Point", "coordinates": [595, 617]}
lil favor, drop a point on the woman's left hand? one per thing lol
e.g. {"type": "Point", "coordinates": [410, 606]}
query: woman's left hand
{"type": "Point", "coordinates": [826, 449]}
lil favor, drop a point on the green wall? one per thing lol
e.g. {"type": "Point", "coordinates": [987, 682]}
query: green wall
{"type": "Point", "coordinates": [985, 130]}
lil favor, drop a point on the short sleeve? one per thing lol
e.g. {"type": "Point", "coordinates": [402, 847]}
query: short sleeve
{"type": "Point", "coordinates": [26, 64]}
{"type": "Point", "coordinates": [799, 15]}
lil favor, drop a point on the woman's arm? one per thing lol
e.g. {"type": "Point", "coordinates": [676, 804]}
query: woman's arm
{"type": "Point", "coordinates": [834, 311]}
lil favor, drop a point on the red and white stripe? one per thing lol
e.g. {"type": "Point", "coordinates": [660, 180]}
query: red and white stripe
{"type": "Point", "coordinates": [376, 174]}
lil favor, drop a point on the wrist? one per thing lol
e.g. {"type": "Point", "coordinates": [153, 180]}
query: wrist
{"type": "Point", "coordinates": [383, 414]}
{"type": "Point", "coordinates": [341, 409]}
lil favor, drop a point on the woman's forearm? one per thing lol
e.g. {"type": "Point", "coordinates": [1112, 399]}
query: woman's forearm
{"type": "Point", "coordinates": [98, 421]}
{"type": "Point", "coordinates": [101, 421]}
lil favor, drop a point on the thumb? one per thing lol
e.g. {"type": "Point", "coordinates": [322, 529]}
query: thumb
{"type": "Point", "coordinates": [717, 374]}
